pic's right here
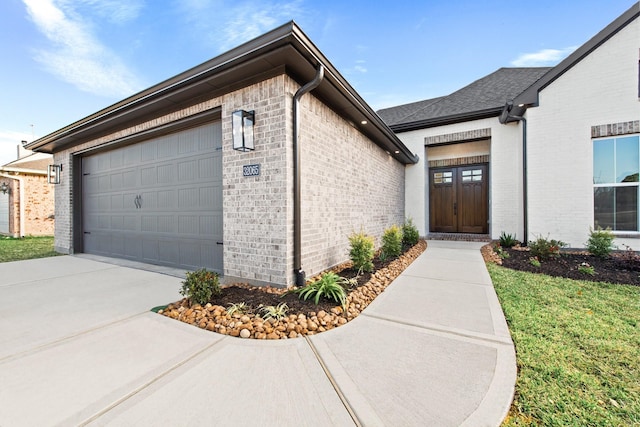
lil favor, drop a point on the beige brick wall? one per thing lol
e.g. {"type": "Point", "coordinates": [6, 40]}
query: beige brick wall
{"type": "Point", "coordinates": [348, 184]}
{"type": "Point", "coordinates": [256, 209]}
{"type": "Point", "coordinates": [39, 206]}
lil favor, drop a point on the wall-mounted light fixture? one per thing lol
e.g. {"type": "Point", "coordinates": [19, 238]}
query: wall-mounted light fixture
{"type": "Point", "coordinates": [4, 188]}
{"type": "Point", "coordinates": [242, 128]}
{"type": "Point", "coordinates": [53, 174]}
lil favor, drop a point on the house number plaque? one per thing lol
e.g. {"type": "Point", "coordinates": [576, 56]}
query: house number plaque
{"type": "Point", "coordinates": [251, 170]}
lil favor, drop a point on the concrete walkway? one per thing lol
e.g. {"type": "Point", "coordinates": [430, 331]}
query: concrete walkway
{"type": "Point", "coordinates": [78, 346]}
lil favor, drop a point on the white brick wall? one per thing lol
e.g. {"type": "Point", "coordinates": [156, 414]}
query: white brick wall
{"type": "Point", "coordinates": [601, 89]}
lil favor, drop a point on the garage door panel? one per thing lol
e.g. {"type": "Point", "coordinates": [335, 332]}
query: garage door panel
{"type": "Point", "coordinates": [188, 170]}
{"type": "Point", "coordinates": [159, 201]}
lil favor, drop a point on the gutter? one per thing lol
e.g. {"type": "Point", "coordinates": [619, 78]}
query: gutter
{"type": "Point", "coordinates": [506, 117]}
{"type": "Point", "coordinates": [22, 202]}
{"type": "Point", "coordinates": [297, 220]}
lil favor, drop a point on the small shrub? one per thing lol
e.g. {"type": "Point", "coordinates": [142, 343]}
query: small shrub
{"type": "Point", "coordinates": [543, 248]}
{"type": "Point", "coordinates": [240, 308]}
{"type": "Point", "coordinates": [501, 252]}
{"type": "Point", "coordinates": [392, 242]}
{"type": "Point", "coordinates": [508, 240]}
{"type": "Point", "coordinates": [585, 268]}
{"type": "Point", "coordinates": [534, 261]}
{"type": "Point", "coordinates": [328, 286]}
{"type": "Point", "coordinates": [600, 242]}
{"type": "Point", "coordinates": [362, 252]}
{"type": "Point", "coordinates": [200, 285]}
{"type": "Point", "coordinates": [410, 234]}
{"type": "Point", "coordinates": [275, 312]}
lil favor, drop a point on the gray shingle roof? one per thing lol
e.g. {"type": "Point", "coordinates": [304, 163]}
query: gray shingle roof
{"type": "Point", "coordinates": [484, 95]}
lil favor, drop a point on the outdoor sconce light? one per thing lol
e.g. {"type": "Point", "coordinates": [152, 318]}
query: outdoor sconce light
{"type": "Point", "coordinates": [242, 128]}
{"type": "Point", "coordinates": [53, 174]}
{"type": "Point", "coordinates": [4, 188]}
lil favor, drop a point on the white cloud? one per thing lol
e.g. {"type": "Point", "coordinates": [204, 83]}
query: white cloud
{"type": "Point", "coordinates": [76, 55]}
{"type": "Point", "coordinates": [542, 58]}
{"type": "Point", "coordinates": [226, 25]}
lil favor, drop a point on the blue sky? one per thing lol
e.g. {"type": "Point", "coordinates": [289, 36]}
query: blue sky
{"type": "Point", "coordinates": [62, 60]}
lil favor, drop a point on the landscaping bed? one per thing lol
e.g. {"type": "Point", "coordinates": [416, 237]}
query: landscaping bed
{"type": "Point", "coordinates": [238, 310]}
{"type": "Point", "coordinates": [621, 267]}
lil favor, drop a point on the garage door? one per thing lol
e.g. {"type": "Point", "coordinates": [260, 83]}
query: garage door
{"type": "Point", "coordinates": [158, 201]}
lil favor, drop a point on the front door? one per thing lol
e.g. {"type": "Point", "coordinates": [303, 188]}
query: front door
{"type": "Point", "coordinates": [458, 199]}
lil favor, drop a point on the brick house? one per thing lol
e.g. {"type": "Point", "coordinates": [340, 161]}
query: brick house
{"type": "Point", "coordinates": [164, 176]}
{"type": "Point", "coordinates": [155, 178]}
{"type": "Point", "coordinates": [26, 199]}
{"type": "Point", "coordinates": [533, 151]}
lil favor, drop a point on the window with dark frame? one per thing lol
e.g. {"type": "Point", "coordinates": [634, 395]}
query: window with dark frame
{"type": "Point", "coordinates": [616, 169]}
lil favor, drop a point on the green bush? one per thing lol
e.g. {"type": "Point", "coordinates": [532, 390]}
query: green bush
{"type": "Point", "coordinates": [600, 242]}
{"type": "Point", "coordinates": [410, 234]}
{"type": "Point", "coordinates": [328, 286]}
{"type": "Point", "coordinates": [545, 248]}
{"type": "Point", "coordinates": [392, 242]}
{"type": "Point", "coordinates": [200, 286]}
{"type": "Point", "coordinates": [362, 252]}
{"type": "Point", "coordinates": [507, 240]}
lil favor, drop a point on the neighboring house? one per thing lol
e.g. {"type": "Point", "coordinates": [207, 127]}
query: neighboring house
{"type": "Point", "coordinates": [533, 152]}
{"type": "Point", "coordinates": [155, 178]}
{"type": "Point", "coordinates": [26, 199]}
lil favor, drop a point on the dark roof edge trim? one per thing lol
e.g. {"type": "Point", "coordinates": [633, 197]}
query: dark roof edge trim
{"type": "Point", "coordinates": [447, 120]}
{"type": "Point", "coordinates": [530, 95]}
{"type": "Point", "coordinates": [288, 33]}
{"type": "Point", "coordinates": [169, 84]}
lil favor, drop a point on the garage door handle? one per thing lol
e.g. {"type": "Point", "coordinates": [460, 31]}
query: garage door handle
{"type": "Point", "coordinates": [138, 201]}
{"type": "Point", "coordinates": [219, 243]}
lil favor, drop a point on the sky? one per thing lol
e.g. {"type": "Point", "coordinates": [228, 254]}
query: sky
{"type": "Point", "coordinates": [62, 60]}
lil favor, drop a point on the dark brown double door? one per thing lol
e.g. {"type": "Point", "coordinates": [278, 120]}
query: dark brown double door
{"type": "Point", "coordinates": [458, 199]}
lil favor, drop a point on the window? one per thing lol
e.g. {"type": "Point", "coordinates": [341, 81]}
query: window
{"type": "Point", "coordinates": [616, 164]}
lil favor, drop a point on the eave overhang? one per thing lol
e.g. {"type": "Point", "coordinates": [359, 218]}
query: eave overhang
{"type": "Point", "coordinates": [530, 98]}
{"type": "Point", "coordinates": [446, 120]}
{"type": "Point", "coordinates": [284, 50]}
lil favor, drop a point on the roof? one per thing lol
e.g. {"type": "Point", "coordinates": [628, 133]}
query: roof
{"type": "Point", "coordinates": [285, 49]}
{"type": "Point", "coordinates": [35, 163]}
{"type": "Point", "coordinates": [529, 97]}
{"type": "Point", "coordinates": [483, 98]}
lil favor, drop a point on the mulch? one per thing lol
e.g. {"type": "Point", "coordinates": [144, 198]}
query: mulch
{"type": "Point", "coordinates": [621, 267]}
{"type": "Point", "coordinates": [255, 297]}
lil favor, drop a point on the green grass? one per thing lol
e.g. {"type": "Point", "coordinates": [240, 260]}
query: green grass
{"type": "Point", "coordinates": [27, 248]}
{"type": "Point", "coordinates": [578, 350]}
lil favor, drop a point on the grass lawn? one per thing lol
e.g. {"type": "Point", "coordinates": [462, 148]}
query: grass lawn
{"type": "Point", "coordinates": [27, 248]}
{"type": "Point", "coordinates": [578, 349]}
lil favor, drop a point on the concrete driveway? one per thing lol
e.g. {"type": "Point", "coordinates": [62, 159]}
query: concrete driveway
{"type": "Point", "coordinates": [78, 346]}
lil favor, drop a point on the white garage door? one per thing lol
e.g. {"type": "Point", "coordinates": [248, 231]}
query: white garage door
{"type": "Point", "coordinates": [158, 201]}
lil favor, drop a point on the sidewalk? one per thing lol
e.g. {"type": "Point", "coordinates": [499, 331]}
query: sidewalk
{"type": "Point", "coordinates": [433, 349]}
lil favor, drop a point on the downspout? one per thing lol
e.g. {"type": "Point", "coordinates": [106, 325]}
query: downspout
{"type": "Point", "coordinates": [22, 202]}
{"type": "Point", "coordinates": [297, 220]}
{"type": "Point", "coordinates": [525, 197]}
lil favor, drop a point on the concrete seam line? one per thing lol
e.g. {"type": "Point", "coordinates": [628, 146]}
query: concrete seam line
{"type": "Point", "coordinates": [334, 384]}
{"type": "Point", "coordinates": [147, 384]}
{"type": "Point", "coordinates": [479, 337]}
{"type": "Point", "coordinates": [67, 338]}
